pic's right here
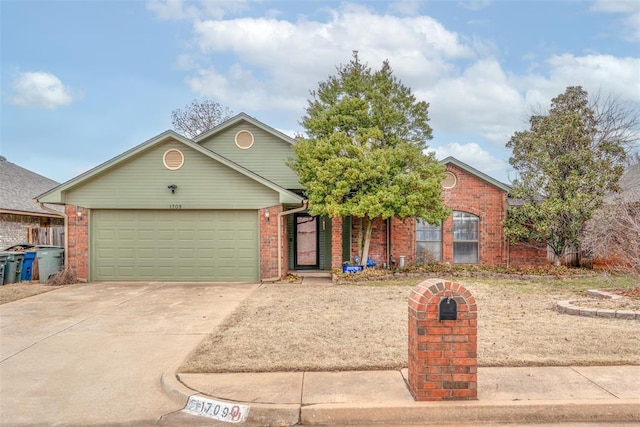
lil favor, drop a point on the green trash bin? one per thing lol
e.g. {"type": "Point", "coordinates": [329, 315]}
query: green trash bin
{"type": "Point", "coordinates": [13, 267]}
{"type": "Point", "coordinates": [50, 261]}
{"type": "Point", "coordinates": [3, 260]}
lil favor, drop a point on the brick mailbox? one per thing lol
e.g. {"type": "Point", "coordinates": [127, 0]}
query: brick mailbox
{"type": "Point", "coordinates": [443, 342]}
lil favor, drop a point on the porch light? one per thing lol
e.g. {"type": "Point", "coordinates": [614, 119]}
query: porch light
{"type": "Point", "coordinates": [79, 212]}
{"type": "Point", "coordinates": [267, 215]}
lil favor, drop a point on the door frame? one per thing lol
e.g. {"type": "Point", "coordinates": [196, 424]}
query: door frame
{"type": "Point", "coordinates": [296, 266]}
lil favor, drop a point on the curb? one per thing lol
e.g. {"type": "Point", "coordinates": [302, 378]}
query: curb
{"type": "Point", "coordinates": [417, 413]}
{"type": "Point", "coordinates": [472, 412]}
{"type": "Point", "coordinates": [263, 414]}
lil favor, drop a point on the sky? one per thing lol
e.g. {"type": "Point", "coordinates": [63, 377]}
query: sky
{"type": "Point", "coordinates": [83, 81]}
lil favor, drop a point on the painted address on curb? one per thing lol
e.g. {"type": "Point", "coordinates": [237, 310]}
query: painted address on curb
{"type": "Point", "coordinates": [221, 411]}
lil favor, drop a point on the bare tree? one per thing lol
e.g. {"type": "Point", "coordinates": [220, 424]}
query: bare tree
{"type": "Point", "coordinates": [618, 122]}
{"type": "Point", "coordinates": [612, 237]}
{"type": "Point", "coordinates": [199, 117]}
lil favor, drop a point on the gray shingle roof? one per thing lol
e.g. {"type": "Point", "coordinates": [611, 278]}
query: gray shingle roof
{"type": "Point", "coordinates": [629, 186]}
{"type": "Point", "coordinates": [19, 187]}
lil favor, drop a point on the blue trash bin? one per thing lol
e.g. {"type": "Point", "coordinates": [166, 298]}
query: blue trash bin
{"type": "Point", "coordinates": [27, 266]}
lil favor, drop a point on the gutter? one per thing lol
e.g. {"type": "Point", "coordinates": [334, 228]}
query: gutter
{"type": "Point", "coordinates": [305, 204]}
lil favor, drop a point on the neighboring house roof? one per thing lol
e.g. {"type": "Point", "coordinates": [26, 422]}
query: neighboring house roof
{"type": "Point", "coordinates": [476, 172]}
{"type": "Point", "coordinates": [237, 119]}
{"type": "Point", "coordinates": [56, 195]}
{"type": "Point", "coordinates": [629, 186]}
{"type": "Point", "coordinates": [19, 189]}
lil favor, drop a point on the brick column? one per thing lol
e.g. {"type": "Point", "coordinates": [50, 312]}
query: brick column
{"type": "Point", "coordinates": [443, 361]}
{"type": "Point", "coordinates": [269, 241]}
{"type": "Point", "coordinates": [77, 254]}
{"type": "Point", "coordinates": [336, 243]}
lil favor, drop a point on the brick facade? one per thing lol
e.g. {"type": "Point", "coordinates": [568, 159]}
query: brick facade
{"type": "Point", "coordinates": [476, 196]}
{"type": "Point", "coordinates": [473, 195]}
{"type": "Point", "coordinates": [336, 243]}
{"type": "Point", "coordinates": [77, 252]}
{"type": "Point", "coordinates": [531, 254]}
{"type": "Point", "coordinates": [269, 242]}
{"type": "Point", "coordinates": [443, 354]}
{"type": "Point", "coordinates": [14, 229]}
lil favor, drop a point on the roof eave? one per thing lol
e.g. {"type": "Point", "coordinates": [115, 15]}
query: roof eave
{"type": "Point", "coordinates": [243, 117]}
{"type": "Point", "coordinates": [476, 172]}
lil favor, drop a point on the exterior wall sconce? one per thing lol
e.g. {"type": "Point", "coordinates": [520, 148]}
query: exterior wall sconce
{"type": "Point", "coordinates": [267, 215]}
{"type": "Point", "coordinates": [172, 187]}
{"type": "Point", "coordinates": [79, 212]}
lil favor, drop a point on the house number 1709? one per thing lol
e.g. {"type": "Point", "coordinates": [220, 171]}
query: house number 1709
{"type": "Point", "coordinates": [175, 206]}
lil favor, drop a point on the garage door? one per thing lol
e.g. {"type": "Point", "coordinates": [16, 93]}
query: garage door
{"type": "Point", "coordinates": [174, 245]}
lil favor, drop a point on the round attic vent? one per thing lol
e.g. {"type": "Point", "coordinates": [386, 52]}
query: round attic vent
{"type": "Point", "coordinates": [173, 159]}
{"type": "Point", "coordinates": [244, 139]}
{"type": "Point", "coordinates": [449, 180]}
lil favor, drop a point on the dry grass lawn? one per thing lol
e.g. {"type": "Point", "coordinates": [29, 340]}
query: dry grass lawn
{"type": "Point", "coordinates": [15, 291]}
{"type": "Point", "coordinates": [293, 327]}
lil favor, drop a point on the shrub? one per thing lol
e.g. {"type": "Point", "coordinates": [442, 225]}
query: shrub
{"type": "Point", "coordinates": [64, 277]}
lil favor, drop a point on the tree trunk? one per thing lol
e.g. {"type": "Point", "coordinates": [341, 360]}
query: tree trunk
{"type": "Point", "coordinates": [368, 228]}
{"type": "Point", "coordinates": [360, 236]}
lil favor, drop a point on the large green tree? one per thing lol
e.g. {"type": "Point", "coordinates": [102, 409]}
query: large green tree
{"type": "Point", "coordinates": [565, 166]}
{"type": "Point", "coordinates": [364, 151]}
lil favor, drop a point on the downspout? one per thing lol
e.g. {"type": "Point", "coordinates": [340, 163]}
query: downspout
{"type": "Point", "coordinates": [66, 229]}
{"type": "Point", "coordinates": [388, 242]}
{"type": "Point", "coordinates": [305, 204]}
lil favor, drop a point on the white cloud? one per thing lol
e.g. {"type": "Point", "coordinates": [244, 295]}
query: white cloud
{"type": "Point", "coordinates": [595, 73]}
{"type": "Point", "coordinates": [289, 58]}
{"type": "Point", "coordinates": [36, 89]}
{"type": "Point", "coordinates": [475, 156]}
{"type": "Point", "coordinates": [630, 11]}
{"type": "Point", "coordinates": [481, 100]}
{"type": "Point", "coordinates": [269, 64]}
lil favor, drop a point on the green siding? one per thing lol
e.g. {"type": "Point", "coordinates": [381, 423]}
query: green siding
{"type": "Point", "coordinates": [141, 183]}
{"type": "Point", "coordinates": [212, 246]}
{"type": "Point", "coordinates": [266, 157]}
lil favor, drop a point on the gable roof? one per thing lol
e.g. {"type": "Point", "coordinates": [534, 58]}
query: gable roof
{"type": "Point", "coordinates": [55, 195]}
{"type": "Point", "coordinates": [476, 173]}
{"type": "Point", "coordinates": [629, 186]}
{"type": "Point", "coordinates": [239, 118]}
{"type": "Point", "coordinates": [19, 189]}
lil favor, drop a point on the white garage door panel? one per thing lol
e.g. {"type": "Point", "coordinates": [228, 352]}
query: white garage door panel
{"type": "Point", "coordinates": [175, 245]}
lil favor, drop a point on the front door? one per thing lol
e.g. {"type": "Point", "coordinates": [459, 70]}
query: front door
{"type": "Point", "coordinates": [306, 252]}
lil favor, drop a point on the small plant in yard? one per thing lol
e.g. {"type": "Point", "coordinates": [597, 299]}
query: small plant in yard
{"type": "Point", "coordinates": [64, 277]}
{"type": "Point", "coordinates": [461, 270]}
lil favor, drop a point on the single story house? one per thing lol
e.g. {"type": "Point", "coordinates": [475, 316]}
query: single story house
{"type": "Point", "coordinates": [22, 219]}
{"type": "Point", "coordinates": [225, 207]}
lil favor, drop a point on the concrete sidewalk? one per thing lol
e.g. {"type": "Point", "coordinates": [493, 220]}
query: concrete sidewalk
{"type": "Point", "coordinates": [505, 395]}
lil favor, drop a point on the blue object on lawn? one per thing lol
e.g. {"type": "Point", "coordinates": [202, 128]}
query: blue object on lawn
{"type": "Point", "coordinates": [371, 263]}
{"type": "Point", "coordinates": [351, 268]}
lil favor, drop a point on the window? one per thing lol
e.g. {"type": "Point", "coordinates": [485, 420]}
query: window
{"type": "Point", "coordinates": [449, 180]}
{"type": "Point", "coordinates": [465, 238]}
{"type": "Point", "coordinates": [244, 139]}
{"type": "Point", "coordinates": [173, 159]}
{"type": "Point", "coordinates": [428, 242]}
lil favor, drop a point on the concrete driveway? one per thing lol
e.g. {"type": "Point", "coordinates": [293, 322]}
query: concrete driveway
{"type": "Point", "coordinates": [93, 354]}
